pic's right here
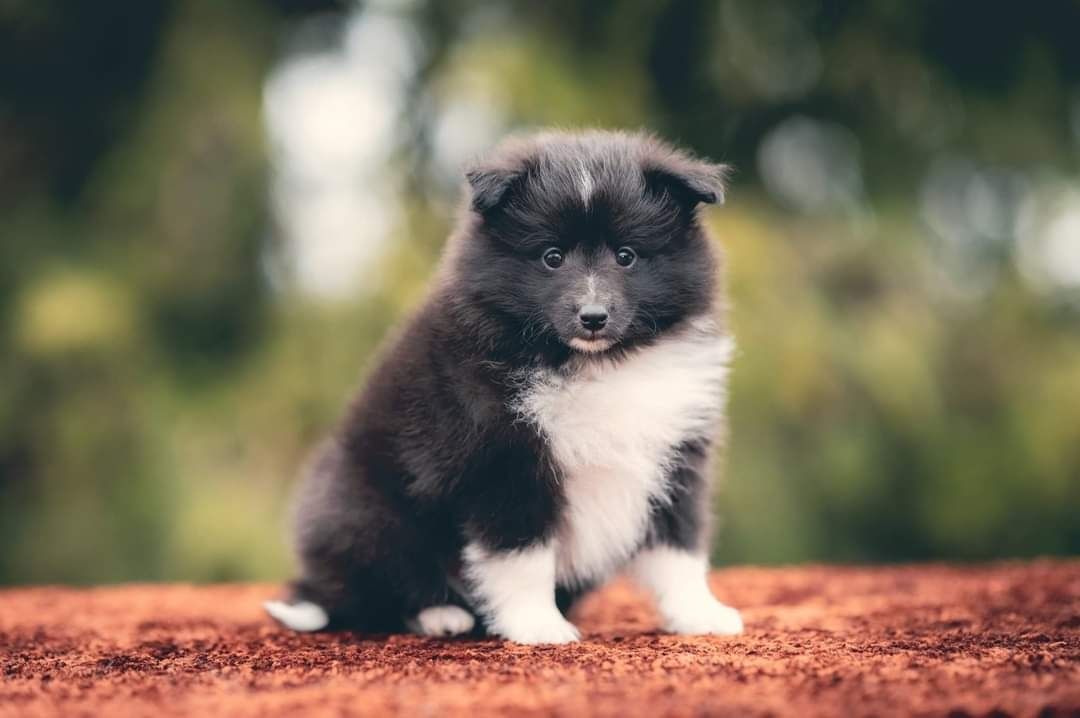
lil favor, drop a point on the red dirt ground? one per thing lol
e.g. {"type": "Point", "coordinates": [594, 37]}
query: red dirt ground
{"type": "Point", "coordinates": [927, 640]}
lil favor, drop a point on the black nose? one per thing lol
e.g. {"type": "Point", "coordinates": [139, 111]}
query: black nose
{"type": "Point", "coordinates": [593, 317]}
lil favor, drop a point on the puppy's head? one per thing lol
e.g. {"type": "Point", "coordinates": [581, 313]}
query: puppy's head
{"type": "Point", "coordinates": [590, 239]}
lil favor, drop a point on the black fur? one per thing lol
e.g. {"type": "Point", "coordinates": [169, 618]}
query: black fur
{"type": "Point", "coordinates": [430, 456]}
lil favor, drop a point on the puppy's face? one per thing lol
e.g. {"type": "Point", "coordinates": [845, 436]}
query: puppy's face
{"type": "Point", "coordinates": [591, 240]}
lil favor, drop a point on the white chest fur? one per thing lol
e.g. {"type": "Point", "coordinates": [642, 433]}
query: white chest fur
{"type": "Point", "coordinates": [612, 427]}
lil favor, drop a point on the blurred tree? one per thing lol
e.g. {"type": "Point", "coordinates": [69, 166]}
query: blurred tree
{"type": "Point", "coordinates": [132, 184]}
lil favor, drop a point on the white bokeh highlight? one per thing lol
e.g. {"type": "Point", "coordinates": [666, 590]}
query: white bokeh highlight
{"type": "Point", "coordinates": [331, 118]}
{"type": "Point", "coordinates": [1048, 237]}
{"type": "Point", "coordinates": [812, 165]}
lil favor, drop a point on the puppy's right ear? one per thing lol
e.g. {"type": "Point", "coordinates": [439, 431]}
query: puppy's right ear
{"type": "Point", "coordinates": [687, 178]}
{"type": "Point", "coordinates": [491, 186]}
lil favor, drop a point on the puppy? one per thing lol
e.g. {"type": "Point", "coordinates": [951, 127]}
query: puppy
{"type": "Point", "coordinates": [544, 420]}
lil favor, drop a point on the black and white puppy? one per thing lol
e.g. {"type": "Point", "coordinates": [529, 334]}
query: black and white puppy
{"type": "Point", "coordinates": [545, 419]}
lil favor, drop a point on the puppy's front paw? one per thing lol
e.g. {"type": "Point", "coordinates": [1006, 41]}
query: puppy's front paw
{"type": "Point", "coordinates": [705, 617]}
{"type": "Point", "coordinates": [538, 628]}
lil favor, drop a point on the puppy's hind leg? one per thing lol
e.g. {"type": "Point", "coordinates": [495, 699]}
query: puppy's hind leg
{"type": "Point", "coordinates": [336, 593]}
{"type": "Point", "coordinates": [298, 614]}
{"type": "Point", "coordinates": [303, 616]}
{"type": "Point", "coordinates": [447, 620]}
{"type": "Point", "coordinates": [339, 586]}
{"type": "Point", "coordinates": [310, 604]}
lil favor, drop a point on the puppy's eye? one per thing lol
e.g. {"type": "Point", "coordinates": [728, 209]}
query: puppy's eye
{"type": "Point", "coordinates": [553, 258]}
{"type": "Point", "coordinates": [625, 256]}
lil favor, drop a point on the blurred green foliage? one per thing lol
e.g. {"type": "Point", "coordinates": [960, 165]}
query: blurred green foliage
{"type": "Point", "coordinates": [899, 394]}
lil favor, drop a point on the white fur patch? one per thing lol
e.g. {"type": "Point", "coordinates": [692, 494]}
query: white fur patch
{"type": "Point", "coordinates": [585, 183]}
{"type": "Point", "coordinates": [590, 346]}
{"type": "Point", "coordinates": [679, 582]}
{"type": "Point", "coordinates": [446, 620]}
{"type": "Point", "coordinates": [302, 616]}
{"type": "Point", "coordinates": [515, 590]}
{"type": "Point", "coordinates": [612, 425]}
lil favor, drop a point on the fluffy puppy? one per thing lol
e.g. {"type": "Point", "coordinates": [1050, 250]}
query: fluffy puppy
{"type": "Point", "coordinates": [546, 417]}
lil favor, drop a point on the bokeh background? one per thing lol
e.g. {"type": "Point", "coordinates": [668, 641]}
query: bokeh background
{"type": "Point", "coordinates": [211, 212]}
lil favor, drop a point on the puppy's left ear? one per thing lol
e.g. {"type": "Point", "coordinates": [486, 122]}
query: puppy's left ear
{"type": "Point", "coordinates": [491, 185]}
{"type": "Point", "coordinates": [688, 179]}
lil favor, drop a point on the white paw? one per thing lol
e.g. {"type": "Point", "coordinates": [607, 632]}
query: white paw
{"type": "Point", "coordinates": [301, 616]}
{"type": "Point", "coordinates": [707, 617]}
{"type": "Point", "coordinates": [539, 629]}
{"type": "Point", "coordinates": [442, 621]}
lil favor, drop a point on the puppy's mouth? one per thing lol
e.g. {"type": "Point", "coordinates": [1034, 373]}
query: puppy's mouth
{"type": "Point", "coordinates": [593, 344]}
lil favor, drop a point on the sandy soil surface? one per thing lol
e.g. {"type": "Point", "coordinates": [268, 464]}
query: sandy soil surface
{"type": "Point", "coordinates": [820, 641]}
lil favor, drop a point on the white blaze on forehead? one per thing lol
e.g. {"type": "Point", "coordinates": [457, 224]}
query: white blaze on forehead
{"type": "Point", "coordinates": [585, 184]}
